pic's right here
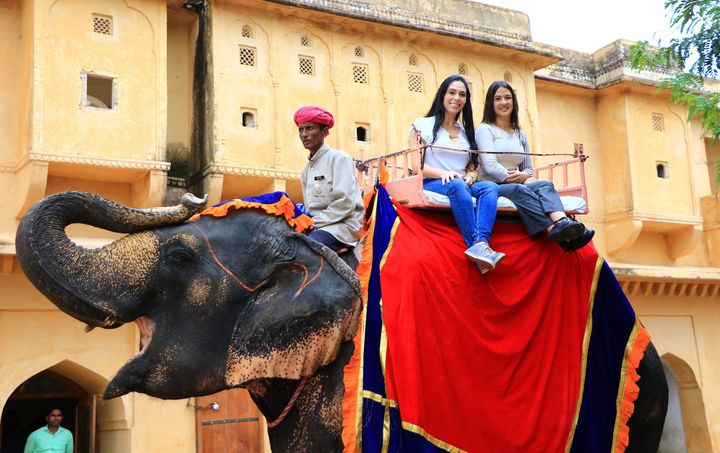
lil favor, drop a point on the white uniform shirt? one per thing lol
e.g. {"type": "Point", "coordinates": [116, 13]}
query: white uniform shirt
{"type": "Point", "coordinates": [331, 194]}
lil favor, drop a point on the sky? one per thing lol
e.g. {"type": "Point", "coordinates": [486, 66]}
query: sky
{"type": "Point", "coordinates": [587, 26]}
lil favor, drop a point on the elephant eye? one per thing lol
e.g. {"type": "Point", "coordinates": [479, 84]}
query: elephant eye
{"type": "Point", "coordinates": [178, 255]}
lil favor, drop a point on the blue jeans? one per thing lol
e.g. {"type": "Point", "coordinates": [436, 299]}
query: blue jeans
{"type": "Point", "coordinates": [475, 222]}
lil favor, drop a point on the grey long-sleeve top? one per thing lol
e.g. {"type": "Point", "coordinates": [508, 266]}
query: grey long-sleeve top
{"type": "Point", "coordinates": [495, 166]}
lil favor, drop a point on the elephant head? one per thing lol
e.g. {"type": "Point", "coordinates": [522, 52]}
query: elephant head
{"type": "Point", "coordinates": [219, 302]}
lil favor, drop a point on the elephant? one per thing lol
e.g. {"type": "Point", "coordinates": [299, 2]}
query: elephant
{"type": "Point", "coordinates": [238, 301]}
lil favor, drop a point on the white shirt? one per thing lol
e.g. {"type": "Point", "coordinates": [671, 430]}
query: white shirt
{"type": "Point", "coordinates": [331, 194]}
{"type": "Point", "coordinates": [443, 159]}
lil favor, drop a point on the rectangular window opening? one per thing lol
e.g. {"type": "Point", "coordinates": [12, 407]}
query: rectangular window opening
{"type": "Point", "coordinates": [362, 132]}
{"type": "Point", "coordinates": [99, 92]}
{"type": "Point", "coordinates": [249, 118]}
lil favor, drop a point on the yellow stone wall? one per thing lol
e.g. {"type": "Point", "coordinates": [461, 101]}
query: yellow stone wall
{"type": "Point", "coordinates": [384, 103]}
{"type": "Point", "coordinates": [134, 56]}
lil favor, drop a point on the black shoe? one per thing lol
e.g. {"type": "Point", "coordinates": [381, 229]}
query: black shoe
{"type": "Point", "coordinates": [566, 229]}
{"type": "Point", "coordinates": [578, 243]}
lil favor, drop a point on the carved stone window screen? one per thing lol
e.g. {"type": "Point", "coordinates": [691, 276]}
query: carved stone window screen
{"type": "Point", "coordinates": [247, 32]}
{"type": "Point", "coordinates": [360, 74]}
{"type": "Point", "coordinates": [306, 65]}
{"type": "Point", "coordinates": [102, 24]}
{"type": "Point", "coordinates": [507, 77]}
{"type": "Point", "coordinates": [412, 60]}
{"type": "Point", "coordinates": [305, 41]}
{"type": "Point", "coordinates": [415, 82]}
{"type": "Point", "coordinates": [658, 123]}
{"type": "Point", "coordinates": [359, 52]}
{"type": "Point", "coordinates": [462, 69]}
{"type": "Point", "coordinates": [247, 56]}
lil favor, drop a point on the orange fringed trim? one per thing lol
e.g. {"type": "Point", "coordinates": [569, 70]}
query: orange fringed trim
{"type": "Point", "coordinates": [630, 390]}
{"type": "Point", "coordinates": [383, 173]}
{"type": "Point", "coordinates": [352, 400]}
{"type": "Point", "coordinates": [283, 207]}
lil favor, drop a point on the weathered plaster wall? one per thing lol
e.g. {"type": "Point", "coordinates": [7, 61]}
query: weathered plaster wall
{"type": "Point", "coordinates": [134, 55]}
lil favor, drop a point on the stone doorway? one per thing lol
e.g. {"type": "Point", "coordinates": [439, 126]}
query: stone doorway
{"type": "Point", "coordinates": [28, 405]}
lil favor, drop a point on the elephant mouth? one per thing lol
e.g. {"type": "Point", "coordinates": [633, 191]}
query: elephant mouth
{"type": "Point", "coordinates": [146, 326]}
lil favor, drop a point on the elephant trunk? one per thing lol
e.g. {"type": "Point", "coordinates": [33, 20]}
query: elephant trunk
{"type": "Point", "coordinates": [81, 281]}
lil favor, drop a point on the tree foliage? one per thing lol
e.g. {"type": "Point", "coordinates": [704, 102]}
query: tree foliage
{"type": "Point", "coordinates": [697, 49]}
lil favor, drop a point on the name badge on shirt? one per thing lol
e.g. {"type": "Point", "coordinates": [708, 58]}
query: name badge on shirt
{"type": "Point", "coordinates": [319, 178]}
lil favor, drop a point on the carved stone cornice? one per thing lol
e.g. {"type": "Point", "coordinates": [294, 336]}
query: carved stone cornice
{"type": "Point", "coordinates": [678, 220]}
{"type": "Point", "coordinates": [607, 66]}
{"type": "Point", "coordinates": [150, 165]}
{"type": "Point", "coordinates": [638, 280]}
{"type": "Point", "coordinates": [259, 172]}
{"type": "Point", "coordinates": [479, 23]}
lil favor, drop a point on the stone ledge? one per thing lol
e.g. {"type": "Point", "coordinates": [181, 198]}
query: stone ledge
{"type": "Point", "coordinates": [476, 22]}
{"type": "Point", "coordinates": [243, 170]}
{"type": "Point", "coordinates": [94, 161]}
{"type": "Point", "coordinates": [640, 280]}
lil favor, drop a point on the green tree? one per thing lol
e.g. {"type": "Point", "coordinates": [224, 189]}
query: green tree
{"type": "Point", "coordinates": [697, 49]}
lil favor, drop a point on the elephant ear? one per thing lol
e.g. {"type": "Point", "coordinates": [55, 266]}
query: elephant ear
{"type": "Point", "coordinates": [296, 322]}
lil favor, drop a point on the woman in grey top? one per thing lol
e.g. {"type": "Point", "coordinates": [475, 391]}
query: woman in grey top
{"type": "Point", "coordinates": [537, 202]}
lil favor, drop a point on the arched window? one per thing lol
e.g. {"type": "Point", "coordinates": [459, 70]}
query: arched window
{"type": "Point", "coordinates": [248, 119]}
{"type": "Point", "coordinates": [359, 51]}
{"type": "Point", "coordinates": [305, 41]}
{"type": "Point", "coordinates": [507, 77]}
{"type": "Point", "coordinates": [462, 69]}
{"type": "Point", "coordinates": [412, 60]}
{"type": "Point", "coordinates": [662, 170]}
{"type": "Point", "coordinates": [362, 134]}
{"type": "Point", "coordinates": [247, 32]}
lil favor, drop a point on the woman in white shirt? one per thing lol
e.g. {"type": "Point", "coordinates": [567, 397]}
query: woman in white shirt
{"type": "Point", "coordinates": [537, 202]}
{"type": "Point", "coordinates": [444, 171]}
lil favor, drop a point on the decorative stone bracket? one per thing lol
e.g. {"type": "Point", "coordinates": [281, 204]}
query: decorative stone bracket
{"type": "Point", "coordinates": [710, 207]}
{"type": "Point", "coordinates": [681, 232]}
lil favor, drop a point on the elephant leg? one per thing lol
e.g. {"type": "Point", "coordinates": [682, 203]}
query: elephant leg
{"type": "Point", "coordinates": [646, 423]}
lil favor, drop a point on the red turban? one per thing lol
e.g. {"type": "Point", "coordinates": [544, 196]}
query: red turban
{"type": "Point", "coordinates": [311, 114]}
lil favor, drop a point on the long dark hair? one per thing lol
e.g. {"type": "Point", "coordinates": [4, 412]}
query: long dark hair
{"type": "Point", "coordinates": [489, 112]}
{"type": "Point", "coordinates": [438, 110]}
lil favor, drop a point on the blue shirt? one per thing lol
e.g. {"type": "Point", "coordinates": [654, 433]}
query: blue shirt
{"type": "Point", "coordinates": [42, 441]}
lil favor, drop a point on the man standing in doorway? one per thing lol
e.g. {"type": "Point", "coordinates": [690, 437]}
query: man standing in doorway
{"type": "Point", "coordinates": [52, 438]}
{"type": "Point", "coordinates": [330, 192]}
